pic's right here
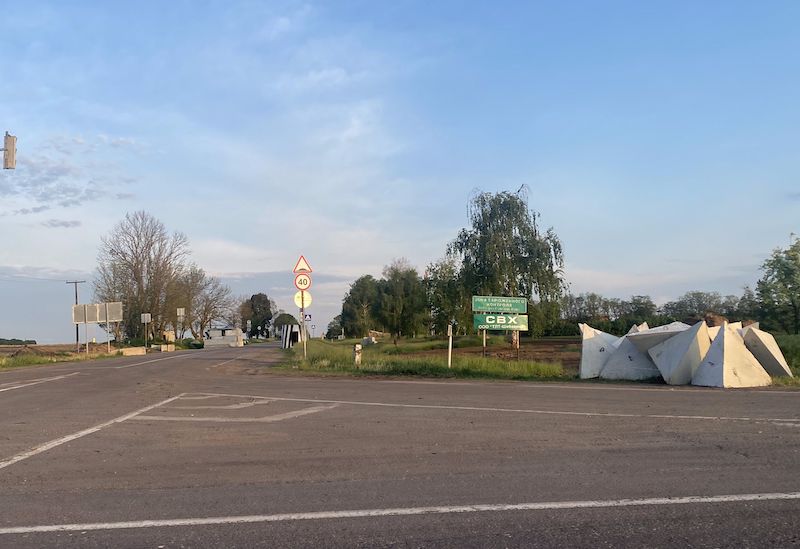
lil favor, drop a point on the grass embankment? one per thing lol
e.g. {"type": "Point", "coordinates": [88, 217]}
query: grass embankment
{"type": "Point", "coordinates": [385, 359]}
{"type": "Point", "coordinates": [790, 345]}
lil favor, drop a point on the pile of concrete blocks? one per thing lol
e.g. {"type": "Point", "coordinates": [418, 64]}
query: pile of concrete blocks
{"type": "Point", "coordinates": [723, 356]}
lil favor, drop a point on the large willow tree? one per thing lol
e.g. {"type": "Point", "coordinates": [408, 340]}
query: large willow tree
{"type": "Point", "coordinates": [505, 253]}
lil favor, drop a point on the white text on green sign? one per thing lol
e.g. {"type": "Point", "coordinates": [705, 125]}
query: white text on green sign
{"type": "Point", "coordinates": [499, 304]}
{"type": "Point", "coordinates": [501, 322]}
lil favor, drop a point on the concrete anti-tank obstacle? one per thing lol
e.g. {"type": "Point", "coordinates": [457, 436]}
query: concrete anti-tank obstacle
{"type": "Point", "coordinates": [678, 357]}
{"type": "Point", "coordinates": [728, 363]}
{"type": "Point", "coordinates": [765, 349]}
{"type": "Point", "coordinates": [628, 363]}
{"type": "Point", "coordinates": [597, 347]}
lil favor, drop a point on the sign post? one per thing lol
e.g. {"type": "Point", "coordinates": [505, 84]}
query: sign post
{"type": "Point", "coordinates": [302, 281]}
{"type": "Point", "coordinates": [146, 318]}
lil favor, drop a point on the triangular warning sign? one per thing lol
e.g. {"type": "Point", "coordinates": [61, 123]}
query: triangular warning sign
{"type": "Point", "coordinates": [302, 266]}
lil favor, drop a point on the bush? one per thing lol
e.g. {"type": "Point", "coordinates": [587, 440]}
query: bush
{"type": "Point", "coordinates": [196, 344]}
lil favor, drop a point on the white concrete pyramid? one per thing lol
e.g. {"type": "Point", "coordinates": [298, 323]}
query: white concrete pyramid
{"type": "Point", "coordinates": [628, 362]}
{"type": "Point", "coordinates": [678, 357]}
{"type": "Point", "coordinates": [728, 363]}
{"type": "Point", "coordinates": [766, 350]}
{"type": "Point", "coordinates": [646, 339]}
{"type": "Point", "coordinates": [713, 331]}
{"type": "Point", "coordinates": [596, 349]}
{"type": "Point", "coordinates": [636, 328]}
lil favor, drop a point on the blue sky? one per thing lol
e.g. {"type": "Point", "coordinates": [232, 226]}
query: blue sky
{"type": "Point", "coordinates": [659, 139]}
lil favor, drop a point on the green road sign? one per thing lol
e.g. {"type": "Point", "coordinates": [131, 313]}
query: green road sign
{"type": "Point", "coordinates": [499, 304]}
{"type": "Point", "coordinates": [501, 322]}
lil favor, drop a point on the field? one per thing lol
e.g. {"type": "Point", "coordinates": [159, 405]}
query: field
{"type": "Point", "coordinates": [12, 356]}
{"type": "Point", "coordinates": [538, 359]}
{"type": "Point", "coordinates": [428, 357]}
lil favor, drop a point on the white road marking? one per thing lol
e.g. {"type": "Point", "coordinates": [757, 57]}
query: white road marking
{"type": "Point", "coordinates": [265, 419]}
{"type": "Point", "coordinates": [401, 511]}
{"type": "Point", "coordinates": [239, 406]}
{"type": "Point", "coordinates": [21, 384]}
{"type": "Point", "coordinates": [63, 440]}
{"type": "Point", "coordinates": [149, 361]}
{"type": "Point", "coordinates": [511, 410]}
{"type": "Point", "coordinates": [226, 362]}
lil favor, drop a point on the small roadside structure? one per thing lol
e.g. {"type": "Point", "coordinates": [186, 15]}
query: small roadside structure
{"type": "Point", "coordinates": [227, 336]}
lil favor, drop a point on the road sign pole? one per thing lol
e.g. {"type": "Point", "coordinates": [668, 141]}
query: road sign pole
{"type": "Point", "coordinates": [484, 343]}
{"type": "Point", "coordinates": [108, 332]}
{"type": "Point", "coordinates": [86, 328]}
{"type": "Point", "coordinates": [303, 325]}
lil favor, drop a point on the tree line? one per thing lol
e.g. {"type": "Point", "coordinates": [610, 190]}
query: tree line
{"type": "Point", "coordinates": [148, 269]}
{"type": "Point", "coordinates": [504, 252]}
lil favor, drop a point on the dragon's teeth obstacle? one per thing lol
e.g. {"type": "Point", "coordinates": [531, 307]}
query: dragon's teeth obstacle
{"type": "Point", "coordinates": [725, 356]}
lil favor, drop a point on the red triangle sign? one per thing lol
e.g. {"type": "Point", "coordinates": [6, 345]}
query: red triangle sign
{"type": "Point", "coordinates": [302, 266]}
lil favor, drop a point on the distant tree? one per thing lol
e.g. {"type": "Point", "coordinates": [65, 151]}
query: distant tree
{"type": "Point", "coordinates": [359, 306]}
{"type": "Point", "coordinates": [263, 308]}
{"type": "Point", "coordinates": [139, 263]}
{"type": "Point", "coordinates": [334, 328]}
{"type": "Point", "coordinates": [211, 303]}
{"type": "Point", "coordinates": [401, 299]}
{"type": "Point", "coordinates": [778, 290]}
{"type": "Point", "coordinates": [694, 305]}
{"type": "Point", "coordinates": [283, 319]}
{"type": "Point", "coordinates": [748, 306]}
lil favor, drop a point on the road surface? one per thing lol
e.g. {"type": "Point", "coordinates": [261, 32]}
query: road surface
{"type": "Point", "coordinates": [213, 448]}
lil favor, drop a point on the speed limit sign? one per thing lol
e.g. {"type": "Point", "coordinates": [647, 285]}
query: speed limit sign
{"type": "Point", "coordinates": [302, 281]}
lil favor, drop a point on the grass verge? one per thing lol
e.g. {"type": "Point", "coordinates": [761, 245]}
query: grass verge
{"type": "Point", "coordinates": [20, 361]}
{"type": "Point", "coordinates": [327, 357]}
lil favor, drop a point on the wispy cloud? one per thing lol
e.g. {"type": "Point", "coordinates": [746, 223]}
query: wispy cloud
{"type": "Point", "coordinates": [793, 196]}
{"type": "Point", "coordinates": [61, 224]}
{"type": "Point", "coordinates": [279, 26]}
{"type": "Point", "coordinates": [65, 171]}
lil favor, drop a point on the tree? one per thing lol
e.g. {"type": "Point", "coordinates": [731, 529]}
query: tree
{"type": "Point", "coordinates": [138, 264]}
{"type": "Point", "coordinates": [401, 299]}
{"type": "Point", "coordinates": [359, 306]}
{"type": "Point", "coordinates": [283, 319]}
{"type": "Point", "coordinates": [263, 308]}
{"type": "Point", "coordinates": [445, 296]}
{"type": "Point", "coordinates": [778, 290]}
{"type": "Point", "coordinates": [334, 328]}
{"type": "Point", "coordinates": [505, 253]}
{"type": "Point", "coordinates": [211, 304]}
{"type": "Point", "coordinates": [694, 305]}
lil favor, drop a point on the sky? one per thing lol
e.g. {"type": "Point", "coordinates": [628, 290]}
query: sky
{"type": "Point", "coordinates": [658, 139]}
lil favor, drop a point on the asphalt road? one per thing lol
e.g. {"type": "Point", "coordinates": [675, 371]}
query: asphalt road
{"type": "Point", "coordinates": [213, 449]}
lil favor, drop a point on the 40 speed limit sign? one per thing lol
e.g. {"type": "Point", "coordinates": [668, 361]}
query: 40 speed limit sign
{"type": "Point", "coordinates": [302, 281]}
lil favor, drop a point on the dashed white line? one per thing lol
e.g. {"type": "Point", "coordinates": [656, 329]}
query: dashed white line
{"type": "Point", "coordinates": [63, 440]}
{"type": "Point", "coordinates": [401, 511]}
{"type": "Point", "coordinates": [510, 410]}
{"type": "Point", "coordinates": [21, 384]}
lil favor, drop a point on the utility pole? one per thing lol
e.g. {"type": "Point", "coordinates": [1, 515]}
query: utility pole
{"type": "Point", "coordinates": [77, 329]}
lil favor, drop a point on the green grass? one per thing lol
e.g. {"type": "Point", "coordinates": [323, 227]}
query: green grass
{"type": "Point", "coordinates": [337, 358]}
{"type": "Point", "coordinates": [790, 345]}
{"type": "Point", "coordinates": [20, 361]}
{"type": "Point", "coordinates": [32, 360]}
